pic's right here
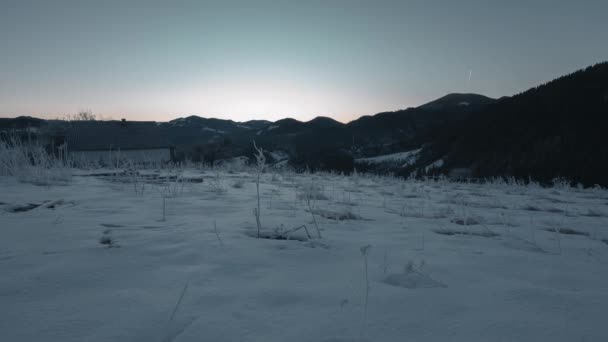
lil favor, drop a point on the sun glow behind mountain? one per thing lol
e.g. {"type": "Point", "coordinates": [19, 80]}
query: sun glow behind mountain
{"type": "Point", "coordinates": [245, 60]}
{"type": "Point", "coordinates": [261, 99]}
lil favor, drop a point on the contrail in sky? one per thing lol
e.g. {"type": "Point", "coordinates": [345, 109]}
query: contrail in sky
{"type": "Point", "coordinates": [470, 74]}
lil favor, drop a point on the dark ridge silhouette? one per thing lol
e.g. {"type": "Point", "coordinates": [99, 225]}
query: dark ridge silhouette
{"type": "Point", "coordinates": [456, 100]}
{"type": "Point", "coordinates": [554, 130]}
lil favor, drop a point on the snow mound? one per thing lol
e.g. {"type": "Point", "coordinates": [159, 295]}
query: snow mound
{"type": "Point", "coordinates": [336, 215]}
{"type": "Point", "coordinates": [434, 165]}
{"type": "Point", "coordinates": [412, 280]}
{"type": "Point", "coordinates": [279, 155]}
{"type": "Point", "coordinates": [209, 129]}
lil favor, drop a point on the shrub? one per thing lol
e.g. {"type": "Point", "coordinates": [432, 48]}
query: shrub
{"type": "Point", "coordinates": [312, 191]}
{"type": "Point", "coordinates": [568, 231]}
{"type": "Point", "coordinates": [345, 214]}
{"type": "Point", "coordinates": [31, 163]}
{"type": "Point", "coordinates": [471, 232]}
{"type": "Point", "coordinates": [260, 166]}
{"type": "Point", "coordinates": [239, 184]}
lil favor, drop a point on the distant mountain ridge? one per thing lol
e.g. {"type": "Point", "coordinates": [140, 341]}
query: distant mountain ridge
{"type": "Point", "coordinates": [320, 143]}
{"type": "Point", "coordinates": [456, 99]}
{"type": "Point", "coordinates": [227, 125]}
{"type": "Point", "coordinates": [450, 100]}
{"type": "Point", "coordinates": [555, 129]}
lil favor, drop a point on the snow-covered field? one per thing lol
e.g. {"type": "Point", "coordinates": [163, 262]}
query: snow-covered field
{"type": "Point", "coordinates": [94, 260]}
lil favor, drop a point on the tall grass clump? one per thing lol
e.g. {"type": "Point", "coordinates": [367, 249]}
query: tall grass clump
{"type": "Point", "coordinates": [31, 163]}
{"type": "Point", "coordinates": [309, 197]}
{"type": "Point", "coordinates": [260, 165]}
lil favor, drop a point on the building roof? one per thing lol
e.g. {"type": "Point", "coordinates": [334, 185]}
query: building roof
{"type": "Point", "coordinates": [114, 135]}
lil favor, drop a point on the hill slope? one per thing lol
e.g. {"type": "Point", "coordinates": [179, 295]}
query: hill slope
{"type": "Point", "coordinates": [555, 130]}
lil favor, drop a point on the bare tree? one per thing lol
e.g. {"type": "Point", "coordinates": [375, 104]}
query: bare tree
{"type": "Point", "coordinates": [83, 115]}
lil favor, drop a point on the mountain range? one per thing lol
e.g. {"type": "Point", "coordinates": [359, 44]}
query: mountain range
{"type": "Point", "coordinates": [554, 130]}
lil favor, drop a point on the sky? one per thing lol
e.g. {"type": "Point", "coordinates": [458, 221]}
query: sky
{"type": "Point", "coordinates": [243, 60]}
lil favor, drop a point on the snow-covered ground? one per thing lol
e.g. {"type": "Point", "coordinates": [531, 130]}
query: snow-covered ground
{"type": "Point", "coordinates": [405, 158]}
{"type": "Point", "coordinates": [448, 261]}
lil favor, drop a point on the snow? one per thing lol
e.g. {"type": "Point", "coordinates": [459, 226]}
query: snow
{"type": "Point", "coordinates": [434, 165]}
{"type": "Point", "coordinates": [281, 165]}
{"type": "Point", "coordinates": [279, 155]}
{"type": "Point", "coordinates": [526, 283]}
{"type": "Point", "coordinates": [232, 163]}
{"type": "Point", "coordinates": [270, 128]}
{"type": "Point", "coordinates": [179, 122]}
{"type": "Point", "coordinates": [209, 129]}
{"type": "Point", "coordinates": [407, 158]}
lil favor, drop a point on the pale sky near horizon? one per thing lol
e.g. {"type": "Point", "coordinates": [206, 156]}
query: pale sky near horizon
{"type": "Point", "coordinates": [243, 60]}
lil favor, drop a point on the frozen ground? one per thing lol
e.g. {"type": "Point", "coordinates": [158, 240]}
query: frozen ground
{"type": "Point", "coordinates": [448, 262]}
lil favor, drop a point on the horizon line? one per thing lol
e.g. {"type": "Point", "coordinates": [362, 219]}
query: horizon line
{"type": "Point", "coordinates": [102, 117]}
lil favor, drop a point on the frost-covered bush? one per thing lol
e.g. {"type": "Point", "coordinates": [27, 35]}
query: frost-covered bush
{"type": "Point", "coordinates": [107, 240]}
{"type": "Point", "coordinates": [239, 184]}
{"type": "Point", "coordinates": [309, 193]}
{"type": "Point", "coordinates": [312, 191]}
{"type": "Point", "coordinates": [260, 166]}
{"type": "Point", "coordinates": [339, 215]}
{"type": "Point", "coordinates": [481, 232]}
{"type": "Point", "coordinates": [409, 210]}
{"type": "Point", "coordinates": [466, 221]}
{"type": "Point", "coordinates": [216, 184]}
{"type": "Point", "coordinates": [31, 163]}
